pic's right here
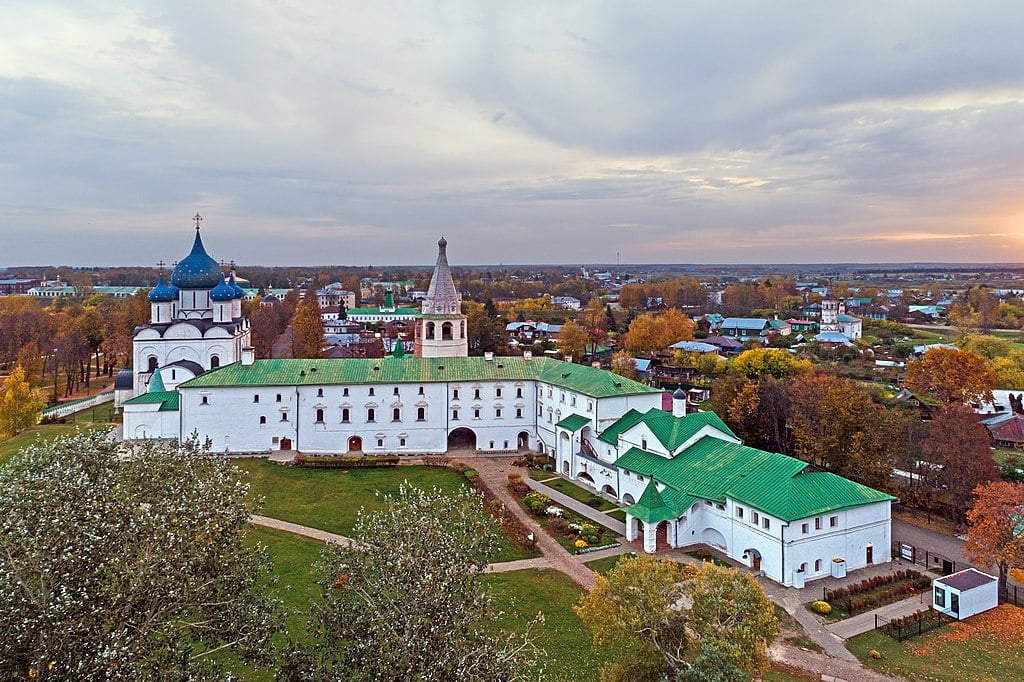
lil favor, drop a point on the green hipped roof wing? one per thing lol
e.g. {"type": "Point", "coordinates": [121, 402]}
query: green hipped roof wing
{"type": "Point", "coordinates": [168, 400]}
{"type": "Point", "coordinates": [670, 431]}
{"type": "Point", "coordinates": [651, 507]}
{"type": "Point", "coordinates": [574, 422]}
{"type": "Point", "coordinates": [583, 379]}
{"type": "Point", "coordinates": [781, 486]}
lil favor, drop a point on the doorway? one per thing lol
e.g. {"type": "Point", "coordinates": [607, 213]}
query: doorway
{"type": "Point", "coordinates": [286, 443]}
{"type": "Point", "coordinates": [355, 444]}
{"type": "Point", "coordinates": [523, 441]}
{"type": "Point", "coordinates": [462, 438]}
{"type": "Point", "coordinates": [869, 555]}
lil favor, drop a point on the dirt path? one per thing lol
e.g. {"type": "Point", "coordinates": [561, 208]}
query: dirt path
{"type": "Point", "coordinates": [495, 473]}
{"type": "Point", "coordinates": [825, 665]}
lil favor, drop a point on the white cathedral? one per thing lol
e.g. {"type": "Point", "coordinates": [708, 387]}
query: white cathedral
{"type": "Point", "coordinates": [684, 479]}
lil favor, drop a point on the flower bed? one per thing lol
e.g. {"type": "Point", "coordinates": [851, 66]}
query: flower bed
{"type": "Point", "coordinates": [876, 591]}
{"type": "Point", "coordinates": [572, 531]}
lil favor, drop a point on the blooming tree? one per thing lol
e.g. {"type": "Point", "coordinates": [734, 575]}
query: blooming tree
{"type": "Point", "coordinates": [119, 567]}
{"type": "Point", "coordinates": [406, 600]}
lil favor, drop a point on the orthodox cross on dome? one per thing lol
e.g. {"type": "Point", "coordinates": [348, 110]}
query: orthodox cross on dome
{"type": "Point", "coordinates": [198, 218]}
{"type": "Point", "coordinates": [160, 264]}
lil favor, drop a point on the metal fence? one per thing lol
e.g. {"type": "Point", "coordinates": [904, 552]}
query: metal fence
{"type": "Point", "coordinates": [932, 561]}
{"type": "Point", "coordinates": [919, 623]}
{"type": "Point", "coordinates": [73, 406]}
{"type": "Point", "coordinates": [1012, 595]}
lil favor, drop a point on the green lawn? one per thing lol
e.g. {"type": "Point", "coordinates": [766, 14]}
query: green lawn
{"type": "Point", "coordinates": [582, 494]}
{"type": "Point", "coordinates": [570, 652]}
{"type": "Point", "coordinates": [519, 596]}
{"type": "Point", "coordinates": [993, 651]}
{"type": "Point", "coordinates": [618, 515]}
{"type": "Point", "coordinates": [42, 434]}
{"type": "Point", "coordinates": [330, 499]}
{"type": "Point", "coordinates": [606, 564]}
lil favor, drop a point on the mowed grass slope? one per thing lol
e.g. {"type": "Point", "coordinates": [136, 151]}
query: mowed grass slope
{"type": "Point", "coordinates": [330, 499]}
{"type": "Point", "coordinates": [570, 653]}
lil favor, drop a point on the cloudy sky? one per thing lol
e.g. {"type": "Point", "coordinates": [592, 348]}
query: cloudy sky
{"type": "Point", "coordinates": [357, 132]}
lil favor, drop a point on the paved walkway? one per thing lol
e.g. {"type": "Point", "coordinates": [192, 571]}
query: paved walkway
{"type": "Point", "coordinates": [304, 531]}
{"type": "Point", "coordinates": [580, 508]}
{"type": "Point", "coordinates": [521, 564]}
{"type": "Point", "coordinates": [865, 622]}
{"type": "Point", "coordinates": [494, 473]}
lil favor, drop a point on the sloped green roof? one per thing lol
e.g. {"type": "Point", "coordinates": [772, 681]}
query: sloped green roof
{"type": "Point", "coordinates": [378, 311]}
{"type": "Point", "coordinates": [621, 425]}
{"type": "Point", "coordinates": [651, 507]}
{"type": "Point", "coordinates": [168, 400]}
{"type": "Point", "coordinates": [574, 422]}
{"type": "Point", "coordinates": [584, 379]}
{"type": "Point", "coordinates": [669, 430]}
{"type": "Point", "coordinates": [781, 486]}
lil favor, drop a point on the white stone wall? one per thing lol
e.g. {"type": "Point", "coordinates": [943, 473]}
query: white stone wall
{"type": "Point", "coordinates": [146, 421]}
{"type": "Point", "coordinates": [185, 342]}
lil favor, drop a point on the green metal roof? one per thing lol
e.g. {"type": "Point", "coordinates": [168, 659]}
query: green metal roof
{"type": "Point", "coordinates": [651, 507]}
{"type": "Point", "coordinates": [168, 400]}
{"type": "Point", "coordinates": [385, 311]}
{"type": "Point", "coordinates": [583, 379]}
{"type": "Point", "coordinates": [670, 431]}
{"type": "Point", "coordinates": [781, 486]}
{"type": "Point", "coordinates": [574, 422]}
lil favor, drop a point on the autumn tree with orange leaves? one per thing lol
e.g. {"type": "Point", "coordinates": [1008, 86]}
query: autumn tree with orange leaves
{"type": "Point", "coordinates": [951, 376]}
{"type": "Point", "coordinates": [649, 333]}
{"type": "Point", "coordinates": [996, 534]}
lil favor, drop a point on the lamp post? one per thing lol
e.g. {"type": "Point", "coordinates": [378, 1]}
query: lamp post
{"type": "Point", "coordinates": [54, 376]}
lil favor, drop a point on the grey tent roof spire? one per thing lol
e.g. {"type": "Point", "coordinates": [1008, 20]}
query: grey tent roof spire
{"type": "Point", "coordinates": [442, 296]}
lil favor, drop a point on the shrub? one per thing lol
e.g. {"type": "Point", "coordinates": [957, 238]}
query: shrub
{"type": "Point", "coordinates": [537, 503]}
{"type": "Point", "coordinates": [822, 607]}
{"type": "Point", "coordinates": [470, 473]}
{"type": "Point", "coordinates": [346, 462]}
{"type": "Point", "coordinates": [519, 462]}
{"type": "Point", "coordinates": [517, 486]}
{"type": "Point", "coordinates": [559, 526]}
{"type": "Point", "coordinates": [581, 544]}
{"type": "Point", "coordinates": [874, 654]}
{"type": "Point", "coordinates": [459, 467]}
{"type": "Point", "coordinates": [595, 503]}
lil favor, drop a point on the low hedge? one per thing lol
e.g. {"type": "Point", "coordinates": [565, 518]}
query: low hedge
{"type": "Point", "coordinates": [345, 461]}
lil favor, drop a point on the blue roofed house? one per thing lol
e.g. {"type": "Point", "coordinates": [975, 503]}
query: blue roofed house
{"type": "Point", "coordinates": [744, 328]}
{"type": "Point", "coordinates": [688, 480]}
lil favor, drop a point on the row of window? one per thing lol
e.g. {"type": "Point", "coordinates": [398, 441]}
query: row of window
{"type": "Point", "coordinates": [817, 566]}
{"type": "Point", "coordinates": [833, 522]}
{"type": "Point", "coordinates": [372, 392]}
{"type": "Point", "coordinates": [477, 413]}
{"type": "Point", "coordinates": [755, 518]}
{"type": "Point", "coordinates": [561, 398]}
{"type": "Point", "coordinates": [476, 393]}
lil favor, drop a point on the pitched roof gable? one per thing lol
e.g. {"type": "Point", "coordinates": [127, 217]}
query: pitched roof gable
{"type": "Point", "coordinates": [671, 431]}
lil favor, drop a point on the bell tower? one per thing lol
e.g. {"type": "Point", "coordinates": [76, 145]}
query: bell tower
{"type": "Point", "coordinates": [441, 329]}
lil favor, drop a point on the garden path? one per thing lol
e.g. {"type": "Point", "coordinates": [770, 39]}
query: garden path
{"type": "Point", "coordinates": [865, 622]}
{"type": "Point", "coordinates": [494, 473]}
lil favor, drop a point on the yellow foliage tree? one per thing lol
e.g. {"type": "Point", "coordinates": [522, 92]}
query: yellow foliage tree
{"type": "Point", "coordinates": [649, 333]}
{"type": "Point", "coordinates": [759, 363]}
{"type": "Point", "coordinates": [572, 340]}
{"type": "Point", "coordinates": [19, 404]}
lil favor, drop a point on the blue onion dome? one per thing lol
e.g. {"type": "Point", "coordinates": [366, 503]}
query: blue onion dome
{"type": "Point", "coordinates": [197, 270]}
{"type": "Point", "coordinates": [222, 292]}
{"type": "Point", "coordinates": [239, 291]}
{"type": "Point", "coordinates": [163, 292]}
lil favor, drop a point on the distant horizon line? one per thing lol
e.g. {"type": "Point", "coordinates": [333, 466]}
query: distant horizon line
{"type": "Point", "coordinates": [603, 266]}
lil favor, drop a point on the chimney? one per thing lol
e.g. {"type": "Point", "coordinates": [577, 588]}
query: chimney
{"type": "Point", "coordinates": [679, 403]}
{"type": "Point", "coordinates": [527, 355]}
{"type": "Point", "coordinates": [248, 355]}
